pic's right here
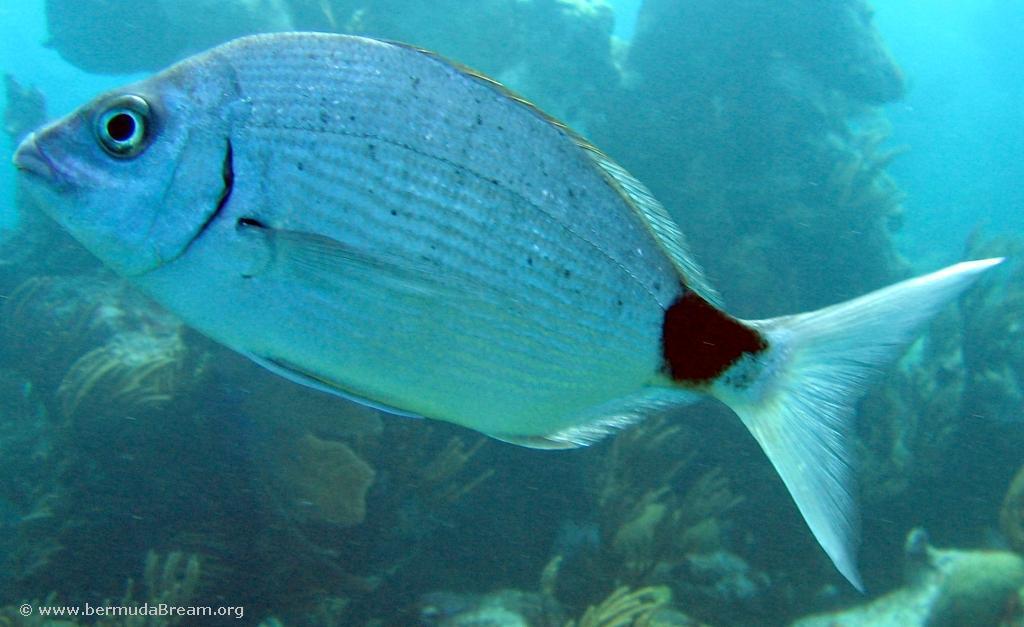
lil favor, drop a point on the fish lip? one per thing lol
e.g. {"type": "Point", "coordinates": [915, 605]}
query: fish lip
{"type": "Point", "coordinates": [32, 159]}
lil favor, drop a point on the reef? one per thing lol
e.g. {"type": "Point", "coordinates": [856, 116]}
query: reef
{"type": "Point", "coordinates": [961, 382]}
{"type": "Point", "coordinates": [945, 587]}
{"type": "Point", "coordinates": [624, 607]}
{"type": "Point", "coordinates": [758, 143]}
{"type": "Point", "coordinates": [167, 580]}
{"type": "Point", "coordinates": [502, 607]}
{"type": "Point", "coordinates": [328, 479]}
{"type": "Point", "coordinates": [652, 524]}
{"type": "Point", "coordinates": [108, 374]}
{"type": "Point", "coordinates": [1011, 515]}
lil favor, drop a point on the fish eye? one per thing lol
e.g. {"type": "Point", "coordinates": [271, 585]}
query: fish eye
{"type": "Point", "coordinates": [122, 128]}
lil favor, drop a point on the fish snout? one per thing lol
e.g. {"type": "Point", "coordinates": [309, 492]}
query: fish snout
{"type": "Point", "coordinates": [29, 157]}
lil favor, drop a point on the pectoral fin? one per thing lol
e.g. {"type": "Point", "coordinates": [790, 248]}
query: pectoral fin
{"type": "Point", "coordinates": [297, 375]}
{"type": "Point", "coordinates": [314, 257]}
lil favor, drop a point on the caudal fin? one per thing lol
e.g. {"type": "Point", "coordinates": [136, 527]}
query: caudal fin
{"type": "Point", "coordinates": [797, 396]}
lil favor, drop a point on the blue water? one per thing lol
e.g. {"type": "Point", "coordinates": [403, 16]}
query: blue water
{"type": "Point", "coordinates": [25, 56]}
{"type": "Point", "coordinates": [748, 129]}
{"type": "Point", "coordinates": [961, 119]}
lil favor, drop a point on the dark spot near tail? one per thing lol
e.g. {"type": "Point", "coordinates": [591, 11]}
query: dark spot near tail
{"type": "Point", "coordinates": [700, 342]}
{"type": "Point", "coordinates": [479, 120]}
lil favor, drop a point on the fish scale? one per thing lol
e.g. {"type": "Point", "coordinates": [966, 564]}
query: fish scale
{"type": "Point", "coordinates": [518, 157]}
{"type": "Point", "coordinates": [373, 221]}
{"type": "Point", "coordinates": [443, 205]}
{"type": "Point", "coordinates": [553, 337]}
{"type": "Point", "coordinates": [454, 238]}
{"type": "Point", "coordinates": [528, 339]}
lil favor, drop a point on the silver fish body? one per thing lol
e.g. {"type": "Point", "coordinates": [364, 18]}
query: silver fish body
{"type": "Point", "coordinates": [508, 287]}
{"type": "Point", "coordinates": [525, 292]}
{"type": "Point", "coordinates": [371, 220]}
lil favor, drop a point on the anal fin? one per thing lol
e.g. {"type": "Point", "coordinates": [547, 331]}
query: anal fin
{"type": "Point", "coordinates": [595, 424]}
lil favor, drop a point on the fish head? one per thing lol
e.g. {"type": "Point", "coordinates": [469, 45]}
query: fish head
{"type": "Point", "coordinates": [135, 174]}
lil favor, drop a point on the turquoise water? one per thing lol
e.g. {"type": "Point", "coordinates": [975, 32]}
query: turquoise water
{"type": "Point", "coordinates": [960, 118]}
{"type": "Point", "coordinates": [804, 168]}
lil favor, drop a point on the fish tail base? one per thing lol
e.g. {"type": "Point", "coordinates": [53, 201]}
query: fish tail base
{"type": "Point", "coordinates": [797, 396]}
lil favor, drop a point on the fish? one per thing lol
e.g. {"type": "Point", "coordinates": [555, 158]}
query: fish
{"type": "Point", "coordinates": [374, 221]}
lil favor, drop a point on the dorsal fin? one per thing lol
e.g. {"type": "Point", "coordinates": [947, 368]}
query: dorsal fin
{"type": "Point", "coordinates": [656, 217]}
{"type": "Point", "coordinates": [651, 213]}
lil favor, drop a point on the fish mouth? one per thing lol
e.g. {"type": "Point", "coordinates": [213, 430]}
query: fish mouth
{"type": "Point", "coordinates": [31, 158]}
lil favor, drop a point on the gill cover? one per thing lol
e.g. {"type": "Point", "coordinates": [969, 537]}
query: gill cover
{"type": "Point", "coordinates": [135, 173]}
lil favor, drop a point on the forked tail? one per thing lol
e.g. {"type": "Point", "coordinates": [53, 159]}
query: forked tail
{"type": "Point", "coordinates": [797, 395]}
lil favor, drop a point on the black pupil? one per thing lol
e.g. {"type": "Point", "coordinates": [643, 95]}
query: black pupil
{"type": "Point", "coordinates": [121, 127]}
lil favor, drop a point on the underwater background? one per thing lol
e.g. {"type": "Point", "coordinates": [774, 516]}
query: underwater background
{"type": "Point", "coordinates": [811, 150]}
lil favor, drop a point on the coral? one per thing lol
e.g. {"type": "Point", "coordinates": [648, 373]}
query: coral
{"type": "Point", "coordinates": [763, 147]}
{"type": "Point", "coordinates": [993, 346]}
{"type": "Point", "coordinates": [910, 423]}
{"type": "Point", "coordinates": [625, 608]}
{"type": "Point", "coordinates": [113, 437]}
{"type": "Point", "coordinates": [723, 578]}
{"type": "Point", "coordinates": [513, 608]}
{"type": "Point", "coordinates": [438, 476]}
{"type": "Point", "coordinates": [650, 524]}
{"type": "Point", "coordinates": [435, 474]}
{"type": "Point", "coordinates": [131, 373]}
{"type": "Point", "coordinates": [49, 322]}
{"type": "Point", "coordinates": [1011, 516]}
{"type": "Point", "coordinates": [945, 588]}
{"type": "Point", "coordinates": [328, 481]}
{"type": "Point", "coordinates": [1014, 614]}
{"type": "Point", "coordinates": [26, 440]}
{"type": "Point", "coordinates": [170, 580]}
